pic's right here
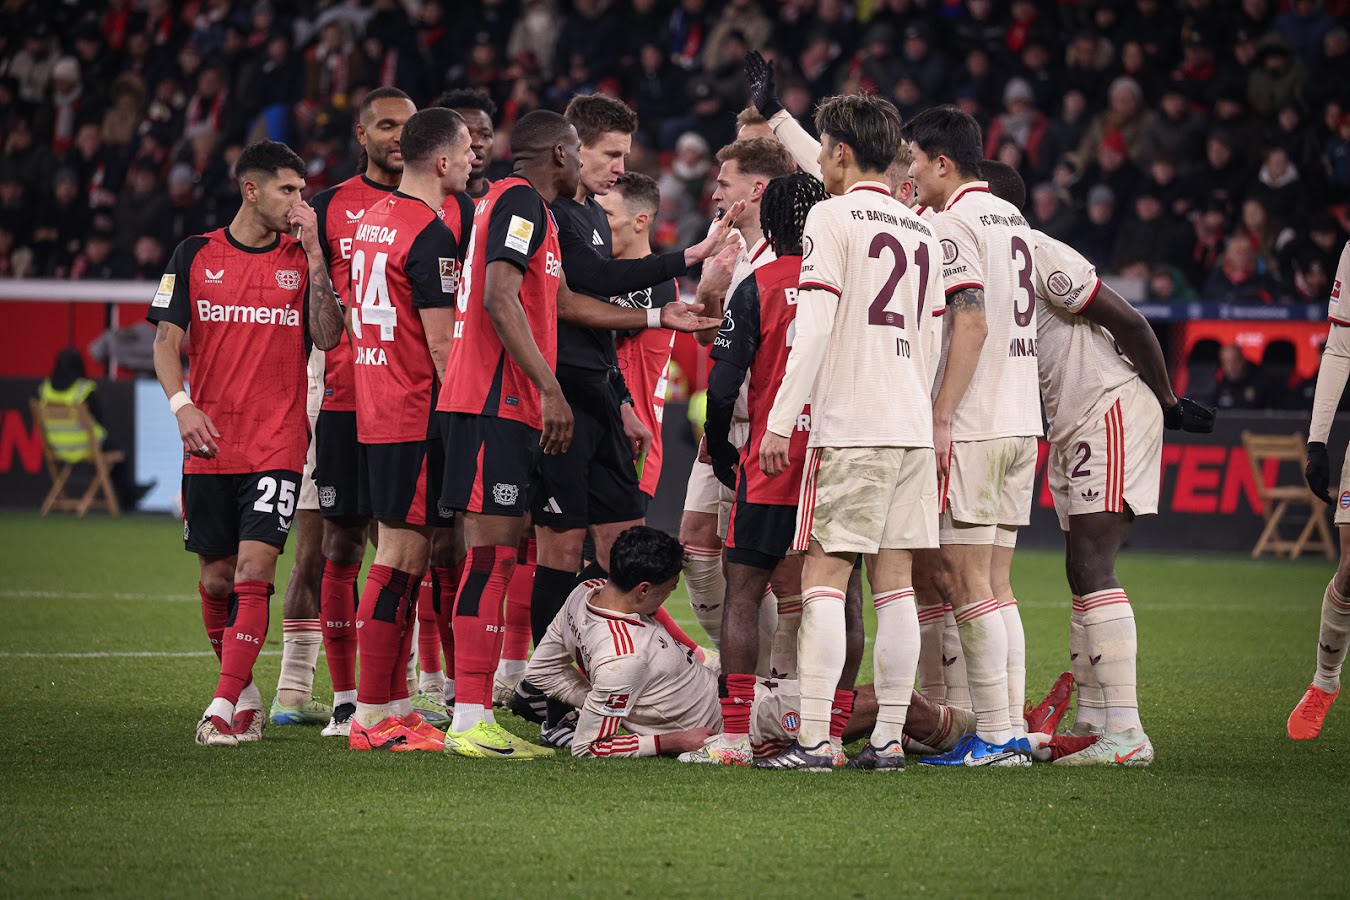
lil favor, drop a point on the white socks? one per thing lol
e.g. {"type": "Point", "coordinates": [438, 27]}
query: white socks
{"type": "Point", "coordinates": [984, 640]}
{"type": "Point", "coordinates": [1331, 639]}
{"type": "Point", "coordinates": [707, 588]}
{"type": "Point", "coordinates": [250, 697]}
{"type": "Point", "coordinates": [954, 661]}
{"type": "Point", "coordinates": [1017, 666]}
{"type": "Point", "coordinates": [932, 683]}
{"type": "Point", "coordinates": [400, 708]}
{"type": "Point", "coordinates": [368, 715]}
{"type": "Point", "coordinates": [784, 656]}
{"type": "Point", "coordinates": [820, 660]}
{"type": "Point", "coordinates": [222, 708]}
{"type": "Point", "coordinates": [341, 697]}
{"type": "Point", "coordinates": [1108, 621]}
{"type": "Point", "coordinates": [300, 644]}
{"type": "Point", "coordinates": [1091, 704]}
{"type": "Point", "coordinates": [431, 682]}
{"type": "Point", "coordinates": [466, 716]}
{"type": "Point", "coordinates": [895, 659]}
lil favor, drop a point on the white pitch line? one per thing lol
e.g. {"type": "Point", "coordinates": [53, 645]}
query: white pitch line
{"type": "Point", "coordinates": [10, 594]}
{"type": "Point", "coordinates": [123, 654]}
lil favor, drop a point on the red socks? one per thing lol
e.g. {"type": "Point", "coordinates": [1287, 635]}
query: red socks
{"type": "Point", "coordinates": [337, 610]}
{"type": "Point", "coordinates": [840, 712]}
{"type": "Point", "coordinates": [737, 695]}
{"type": "Point", "coordinates": [446, 582]}
{"type": "Point", "coordinates": [245, 631]}
{"type": "Point", "coordinates": [382, 619]}
{"type": "Point", "coordinates": [215, 610]}
{"type": "Point", "coordinates": [675, 630]}
{"type": "Point", "coordinates": [517, 644]}
{"type": "Point", "coordinates": [428, 633]}
{"type": "Point", "coordinates": [478, 621]}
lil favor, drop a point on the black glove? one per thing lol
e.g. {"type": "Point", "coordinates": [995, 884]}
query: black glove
{"type": "Point", "coordinates": [1318, 473]}
{"type": "Point", "coordinates": [725, 461]}
{"type": "Point", "coordinates": [763, 92]}
{"type": "Point", "coordinates": [1190, 416]}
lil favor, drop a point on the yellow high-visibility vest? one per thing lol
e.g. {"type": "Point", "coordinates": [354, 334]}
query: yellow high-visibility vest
{"type": "Point", "coordinates": [68, 440]}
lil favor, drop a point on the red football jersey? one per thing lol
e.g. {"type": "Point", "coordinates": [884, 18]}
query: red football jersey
{"type": "Point", "coordinates": [457, 211]}
{"type": "Point", "coordinates": [510, 223]}
{"type": "Point", "coordinates": [757, 335]}
{"type": "Point", "coordinates": [644, 358]}
{"type": "Point", "coordinates": [246, 313]}
{"type": "Point", "coordinates": [404, 260]}
{"type": "Point", "coordinates": [339, 210]}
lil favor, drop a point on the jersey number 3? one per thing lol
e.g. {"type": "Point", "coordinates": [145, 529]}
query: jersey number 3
{"type": "Point", "coordinates": [877, 313]}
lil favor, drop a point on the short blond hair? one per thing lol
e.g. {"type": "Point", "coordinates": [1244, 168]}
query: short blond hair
{"type": "Point", "coordinates": [750, 116]}
{"type": "Point", "coordinates": [759, 156]}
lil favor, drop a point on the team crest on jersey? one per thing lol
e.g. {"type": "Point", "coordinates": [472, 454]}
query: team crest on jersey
{"type": "Point", "coordinates": [445, 512]}
{"type": "Point", "coordinates": [807, 246]}
{"type": "Point", "coordinates": [1335, 289]}
{"type": "Point", "coordinates": [288, 279]}
{"type": "Point", "coordinates": [505, 494]}
{"type": "Point", "coordinates": [949, 253]}
{"type": "Point", "coordinates": [1345, 499]}
{"type": "Point", "coordinates": [354, 217]}
{"type": "Point", "coordinates": [328, 497]}
{"type": "Point", "coordinates": [1059, 283]}
{"type": "Point", "coordinates": [791, 722]}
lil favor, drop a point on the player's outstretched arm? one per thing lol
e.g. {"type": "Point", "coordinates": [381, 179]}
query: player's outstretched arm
{"type": "Point", "coordinates": [325, 313]}
{"type": "Point", "coordinates": [764, 97]}
{"type": "Point", "coordinates": [965, 310]}
{"type": "Point", "coordinates": [501, 301]}
{"type": "Point", "coordinates": [589, 312]}
{"type": "Point", "coordinates": [194, 426]}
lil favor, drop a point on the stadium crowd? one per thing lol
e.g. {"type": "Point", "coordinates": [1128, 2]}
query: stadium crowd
{"type": "Point", "coordinates": [1201, 146]}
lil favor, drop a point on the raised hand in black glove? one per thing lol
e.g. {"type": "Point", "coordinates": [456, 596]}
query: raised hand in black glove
{"type": "Point", "coordinates": [1318, 473]}
{"type": "Point", "coordinates": [1190, 416]}
{"type": "Point", "coordinates": [763, 92]}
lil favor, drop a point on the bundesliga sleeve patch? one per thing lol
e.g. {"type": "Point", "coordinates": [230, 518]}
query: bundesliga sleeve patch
{"type": "Point", "coordinates": [519, 234]}
{"type": "Point", "coordinates": [165, 292]}
{"type": "Point", "coordinates": [449, 275]}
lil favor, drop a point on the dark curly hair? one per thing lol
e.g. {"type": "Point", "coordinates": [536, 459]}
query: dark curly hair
{"type": "Point", "coordinates": [783, 208]}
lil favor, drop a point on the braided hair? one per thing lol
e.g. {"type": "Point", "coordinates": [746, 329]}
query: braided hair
{"type": "Point", "coordinates": [783, 208]}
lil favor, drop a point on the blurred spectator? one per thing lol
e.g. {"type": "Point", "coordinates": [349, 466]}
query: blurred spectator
{"type": "Point", "coordinates": [1021, 122]}
{"type": "Point", "coordinates": [1337, 154]}
{"type": "Point", "coordinates": [1278, 78]}
{"type": "Point", "coordinates": [1303, 25]}
{"type": "Point", "coordinates": [741, 17]}
{"type": "Point", "coordinates": [1125, 115]}
{"type": "Point", "coordinates": [148, 258]}
{"type": "Point", "coordinates": [60, 227]}
{"type": "Point", "coordinates": [1149, 235]}
{"type": "Point", "coordinates": [1221, 179]}
{"type": "Point", "coordinates": [1310, 259]}
{"type": "Point", "coordinates": [1330, 76]}
{"type": "Point", "coordinates": [1242, 384]}
{"type": "Point", "coordinates": [590, 31]}
{"type": "Point", "coordinates": [1177, 132]}
{"type": "Point", "coordinates": [921, 61]}
{"type": "Point", "coordinates": [59, 114]}
{"type": "Point", "coordinates": [97, 262]}
{"type": "Point", "coordinates": [1065, 132]}
{"type": "Point", "coordinates": [1052, 213]}
{"type": "Point", "coordinates": [1265, 236]}
{"type": "Point", "coordinates": [332, 65]}
{"type": "Point", "coordinates": [142, 206]}
{"type": "Point", "coordinates": [535, 36]}
{"type": "Point", "coordinates": [125, 114]}
{"type": "Point", "coordinates": [1237, 280]}
{"type": "Point", "coordinates": [1279, 188]}
{"type": "Point", "coordinates": [32, 65]}
{"type": "Point", "coordinates": [1111, 166]}
{"type": "Point", "coordinates": [1207, 236]}
{"type": "Point", "coordinates": [1167, 283]}
{"type": "Point", "coordinates": [1097, 236]}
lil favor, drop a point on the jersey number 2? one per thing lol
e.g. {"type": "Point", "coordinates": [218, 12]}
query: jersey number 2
{"type": "Point", "coordinates": [877, 314]}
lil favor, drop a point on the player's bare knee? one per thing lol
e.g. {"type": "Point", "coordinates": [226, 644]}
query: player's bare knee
{"type": "Point", "coordinates": [217, 576]}
{"type": "Point", "coordinates": [699, 529]}
{"type": "Point", "coordinates": [560, 548]}
{"type": "Point", "coordinates": [256, 564]}
{"type": "Point", "coordinates": [344, 544]}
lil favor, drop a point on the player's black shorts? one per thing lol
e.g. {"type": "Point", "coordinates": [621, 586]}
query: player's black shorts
{"type": "Point", "coordinates": [491, 464]}
{"type": "Point", "coordinates": [759, 534]}
{"type": "Point", "coordinates": [219, 511]}
{"type": "Point", "coordinates": [402, 483]}
{"type": "Point", "coordinates": [337, 465]}
{"type": "Point", "coordinates": [595, 482]}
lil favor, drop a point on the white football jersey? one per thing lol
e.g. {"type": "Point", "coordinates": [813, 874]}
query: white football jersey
{"type": "Point", "coordinates": [638, 678]}
{"type": "Point", "coordinates": [871, 273]}
{"type": "Point", "coordinates": [986, 243]}
{"type": "Point", "coordinates": [1081, 367]}
{"type": "Point", "coordinates": [1338, 310]}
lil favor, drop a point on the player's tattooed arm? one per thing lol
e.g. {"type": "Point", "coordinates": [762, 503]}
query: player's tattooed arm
{"type": "Point", "coordinates": [965, 310]}
{"type": "Point", "coordinates": [326, 321]}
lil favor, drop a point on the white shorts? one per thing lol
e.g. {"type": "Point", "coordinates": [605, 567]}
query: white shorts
{"type": "Point", "coordinates": [309, 492]}
{"type": "Point", "coordinates": [988, 484]}
{"type": "Point", "coordinates": [864, 499]}
{"type": "Point", "coordinates": [1342, 507]}
{"type": "Point", "coordinates": [1111, 461]}
{"type": "Point", "coordinates": [776, 717]}
{"type": "Point", "coordinates": [705, 494]}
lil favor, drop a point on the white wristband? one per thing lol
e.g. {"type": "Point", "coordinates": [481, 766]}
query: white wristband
{"type": "Point", "coordinates": [654, 317]}
{"type": "Point", "coordinates": [178, 401]}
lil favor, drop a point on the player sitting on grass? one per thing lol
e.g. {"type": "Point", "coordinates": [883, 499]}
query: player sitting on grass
{"type": "Point", "coordinates": [630, 674]}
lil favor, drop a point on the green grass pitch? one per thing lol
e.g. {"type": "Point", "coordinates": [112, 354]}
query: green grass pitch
{"type": "Point", "coordinates": [102, 790]}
